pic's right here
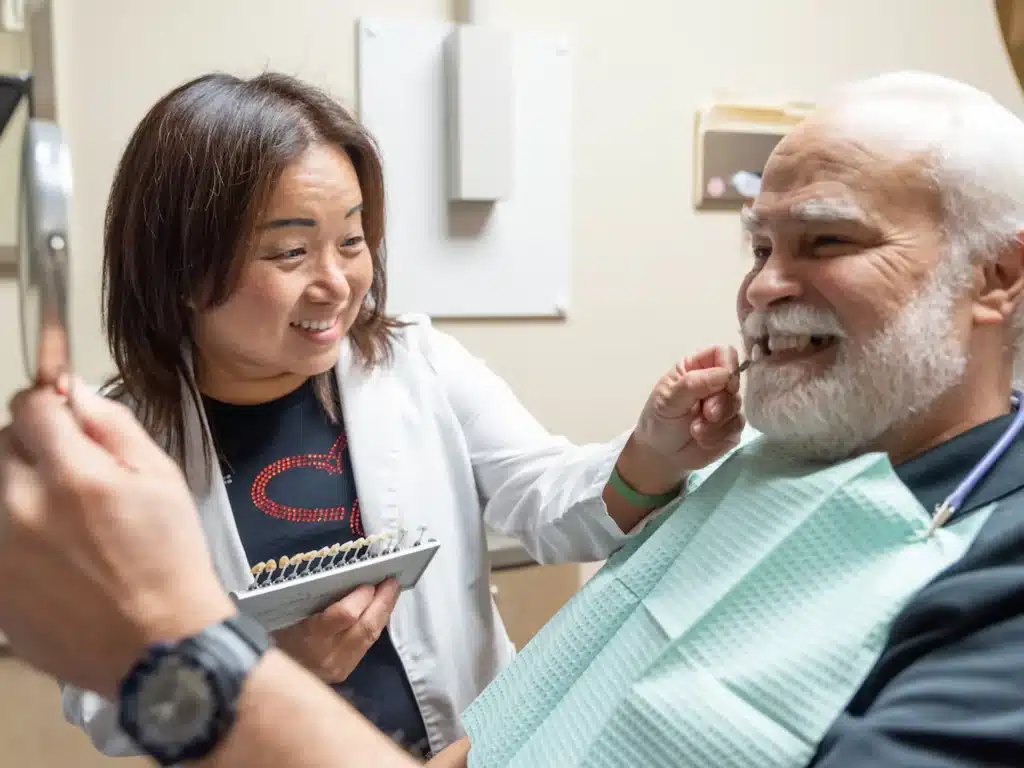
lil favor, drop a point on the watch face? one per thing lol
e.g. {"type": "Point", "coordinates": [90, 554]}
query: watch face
{"type": "Point", "coordinates": [176, 703]}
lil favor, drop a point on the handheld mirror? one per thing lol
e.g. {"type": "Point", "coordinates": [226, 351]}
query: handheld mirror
{"type": "Point", "coordinates": [44, 252]}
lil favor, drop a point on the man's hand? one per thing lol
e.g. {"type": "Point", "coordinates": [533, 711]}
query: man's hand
{"type": "Point", "coordinates": [101, 551]}
{"type": "Point", "coordinates": [330, 644]}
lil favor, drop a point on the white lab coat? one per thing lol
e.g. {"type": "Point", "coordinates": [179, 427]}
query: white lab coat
{"type": "Point", "coordinates": [438, 440]}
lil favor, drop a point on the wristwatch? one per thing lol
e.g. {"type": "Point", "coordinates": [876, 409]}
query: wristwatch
{"type": "Point", "coordinates": [180, 699]}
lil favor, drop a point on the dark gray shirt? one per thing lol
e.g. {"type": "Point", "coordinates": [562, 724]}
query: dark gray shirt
{"type": "Point", "coordinates": [948, 689]}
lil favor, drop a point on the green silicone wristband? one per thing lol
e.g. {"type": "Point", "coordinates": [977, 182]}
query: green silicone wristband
{"type": "Point", "coordinates": [638, 499]}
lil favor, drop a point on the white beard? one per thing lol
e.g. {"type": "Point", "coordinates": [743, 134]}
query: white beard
{"type": "Point", "coordinates": [870, 388]}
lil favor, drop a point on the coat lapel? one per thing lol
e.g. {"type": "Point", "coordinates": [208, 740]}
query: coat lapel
{"type": "Point", "coordinates": [375, 443]}
{"type": "Point", "coordinates": [211, 497]}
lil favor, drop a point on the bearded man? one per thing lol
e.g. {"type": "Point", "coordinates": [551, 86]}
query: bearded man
{"type": "Point", "coordinates": [844, 589]}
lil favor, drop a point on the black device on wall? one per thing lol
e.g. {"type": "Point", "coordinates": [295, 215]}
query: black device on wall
{"type": "Point", "coordinates": [14, 88]}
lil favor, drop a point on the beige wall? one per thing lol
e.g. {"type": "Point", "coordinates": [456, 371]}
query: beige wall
{"type": "Point", "coordinates": [652, 280]}
{"type": "Point", "coordinates": [15, 56]}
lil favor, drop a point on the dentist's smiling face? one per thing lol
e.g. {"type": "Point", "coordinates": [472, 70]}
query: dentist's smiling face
{"type": "Point", "coordinates": [302, 282]}
{"type": "Point", "coordinates": [858, 316]}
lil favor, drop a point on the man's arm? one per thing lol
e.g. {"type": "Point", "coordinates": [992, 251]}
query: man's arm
{"type": "Point", "coordinates": [286, 717]}
{"type": "Point", "coordinates": [958, 706]}
{"type": "Point", "coordinates": [456, 756]}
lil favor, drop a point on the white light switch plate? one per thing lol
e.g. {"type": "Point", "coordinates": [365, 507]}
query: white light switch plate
{"type": "Point", "coordinates": [12, 15]}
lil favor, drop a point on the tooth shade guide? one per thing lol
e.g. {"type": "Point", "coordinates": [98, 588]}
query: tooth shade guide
{"type": "Point", "coordinates": [288, 568]}
{"type": "Point", "coordinates": [281, 603]}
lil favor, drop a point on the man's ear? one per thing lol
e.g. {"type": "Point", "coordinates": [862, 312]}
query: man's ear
{"type": "Point", "coordinates": [1002, 287]}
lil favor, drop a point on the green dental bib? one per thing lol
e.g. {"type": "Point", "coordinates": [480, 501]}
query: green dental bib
{"type": "Point", "coordinates": [731, 632]}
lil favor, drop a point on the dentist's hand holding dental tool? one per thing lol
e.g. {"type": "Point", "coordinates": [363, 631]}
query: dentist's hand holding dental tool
{"type": "Point", "coordinates": [692, 416]}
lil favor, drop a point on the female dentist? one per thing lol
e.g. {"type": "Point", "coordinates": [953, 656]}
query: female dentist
{"type": "Point", "coordinates": [245, 308]}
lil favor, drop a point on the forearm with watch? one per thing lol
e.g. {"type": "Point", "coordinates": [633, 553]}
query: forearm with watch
{"type": "Point", "coordinates": [225, 698]}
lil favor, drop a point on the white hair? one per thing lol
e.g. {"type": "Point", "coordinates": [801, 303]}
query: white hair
{"type": "Point", "coordinates": [973, 148]}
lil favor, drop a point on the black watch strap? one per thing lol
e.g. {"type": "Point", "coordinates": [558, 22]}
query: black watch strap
{"type": "Point", "coordinates": [249, 631]}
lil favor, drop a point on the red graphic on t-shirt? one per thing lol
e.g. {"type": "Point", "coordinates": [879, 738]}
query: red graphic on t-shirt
{"type": "Point", "coordinates": [330, 463]}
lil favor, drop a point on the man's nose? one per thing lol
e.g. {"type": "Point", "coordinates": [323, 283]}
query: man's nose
{"type": "Point", "coordinates": [775, 281]}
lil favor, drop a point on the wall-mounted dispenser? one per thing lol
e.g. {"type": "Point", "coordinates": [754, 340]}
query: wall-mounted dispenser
{"type": "Point", "coordinates": [732, 142]}
{"type": "Point", "coordinates": [479, 73]}
{"type": "Point", "coordinates": [474, 122]}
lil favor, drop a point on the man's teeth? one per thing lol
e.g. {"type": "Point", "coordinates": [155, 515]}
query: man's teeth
{"type": "Point", "coordinates": [314, 325]}
{"type": "Point", "coordinates": [783, 343]}
{"type": "Point", "coordinates": [786, 342]}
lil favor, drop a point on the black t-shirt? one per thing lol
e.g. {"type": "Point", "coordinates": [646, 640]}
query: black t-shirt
{"type": "Point", "coordinates": [289, 478]}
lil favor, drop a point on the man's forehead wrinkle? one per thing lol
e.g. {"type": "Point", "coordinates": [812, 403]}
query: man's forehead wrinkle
{"type": "Point", "coordinates": [803, 180]}
{"type": "Point", "coordinates": [809, 161]}
{"type": "Point", "coordinates": [817, 164]}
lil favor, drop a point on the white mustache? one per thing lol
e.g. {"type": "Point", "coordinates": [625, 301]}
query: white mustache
{"type": "Point", "coordinates": [793, 319]}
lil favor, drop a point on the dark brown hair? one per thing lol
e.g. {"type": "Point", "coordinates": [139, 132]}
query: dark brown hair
{"type": "Point", "coordinates": [189, 189]}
